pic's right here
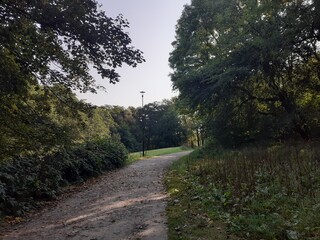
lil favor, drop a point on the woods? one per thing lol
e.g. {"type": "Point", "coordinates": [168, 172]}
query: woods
{"type": "Point", "coordinates": [55, 140]}
{"type": "Point", "coordinates": [249, 71]}
{"type": "Point", "coordinates": [49, 138]}
{"type": "Point", "coordinates": [250, 68]}
{"type": "Point", "coordinates": [46, 50]}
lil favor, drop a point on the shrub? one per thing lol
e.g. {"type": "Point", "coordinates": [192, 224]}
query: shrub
{"type": "Point", "coordinates": [26, 180]}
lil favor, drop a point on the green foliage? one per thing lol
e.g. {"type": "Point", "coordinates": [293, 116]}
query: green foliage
{"type": "Point", "coordinates": [54, 42]}
{"type": "Point", "coordinates": [45, 122]}
{"type": "Point", "coordinates": [162, 124]}
{"type": "Point", "coordinates": [189, 215]}
{"type": "Point", "coordinates": [259, 193]}
{"type": "Point", "coordinates": [126, 127]}
{"type": "Point", "coordinates": [248, 71]}
{"type": "Point", "coordinates": [164, 151]}
{"type": "Point", "coordinates": [46, 50]}
{"type": "Point", "coordinates": [26, 180]}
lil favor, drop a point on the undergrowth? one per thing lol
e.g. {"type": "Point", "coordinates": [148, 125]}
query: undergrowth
{"type": "Point", "coordinates": [24, 181]}
{"type": "Point", "coordinates": [269, 193]}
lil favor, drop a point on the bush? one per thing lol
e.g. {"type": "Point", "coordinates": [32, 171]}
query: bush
{"type": "Point", "coordinates": [26, 180]}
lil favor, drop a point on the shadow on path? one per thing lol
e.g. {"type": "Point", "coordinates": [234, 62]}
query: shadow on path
{"type": "Point", "coordinates": [128, 203]}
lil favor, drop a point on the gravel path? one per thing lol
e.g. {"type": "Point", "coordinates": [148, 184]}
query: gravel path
{"type": "Point", "coordinates": [125, 204]}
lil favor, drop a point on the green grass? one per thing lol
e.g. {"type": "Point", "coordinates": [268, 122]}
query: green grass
{"type": "Point", "coordinates": [251, 194]}
{"type": "Point", "coordinates": [156, 152]}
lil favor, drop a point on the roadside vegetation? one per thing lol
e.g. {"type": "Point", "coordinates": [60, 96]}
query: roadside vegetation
{"type": "Point", "coordinates": [27, 180]}
{"type": "Point", "coordinates": [254, 193]}
{"type": "Point", "coordinates": [84, 141]}
{"type": "Point", "coordinates": [248, 78]}
{"type": "Point", "coordinates": [164, 151]}
{"type": "Point", "coordinates": [48, 137]}
{"type": "Point", "coordinates": [248, 82]}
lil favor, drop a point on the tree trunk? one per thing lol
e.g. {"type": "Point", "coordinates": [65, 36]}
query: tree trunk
{"type": "Point", "coordinates": [298, 121]}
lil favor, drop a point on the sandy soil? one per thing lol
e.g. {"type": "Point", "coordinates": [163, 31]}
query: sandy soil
{"type": "Point", "coordinates": [125, 204]}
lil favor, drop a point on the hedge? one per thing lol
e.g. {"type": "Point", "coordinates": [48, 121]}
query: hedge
{"type": "Point", "coordinates": [24, 181]}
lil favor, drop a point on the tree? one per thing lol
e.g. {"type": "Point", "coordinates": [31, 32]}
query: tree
{"type": "Point", "coordinates": [242, 65]}
{"type": "Point", "coordinates": [192, 122]}
{"type": "Point", "coordinates": [55, 41]}
{"type": "Point", "coordinates": [163, 126]}
{"type": "Point", "coordinates": [47, 49]}
{"type": "Point", "coordinates": [126, 127]}
{"type": "Point", "coordinates": [43, 123]}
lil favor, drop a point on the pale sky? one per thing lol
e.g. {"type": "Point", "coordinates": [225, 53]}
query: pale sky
{"type": "Point", "coordinates": [152, 30]}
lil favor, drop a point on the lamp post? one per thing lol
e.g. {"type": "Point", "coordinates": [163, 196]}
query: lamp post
{"type": "Point", "coordinates": [142, 92]}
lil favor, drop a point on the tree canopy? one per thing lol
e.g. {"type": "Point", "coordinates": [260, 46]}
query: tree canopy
{"type": "Point", "coordinates": [58, 41]}
{"type": "Point", "coordinates": [248, 66]}
{"type": "Point", "coordinates": [48, 49]}
{"type": "Point", "coordinates": [163, 126]}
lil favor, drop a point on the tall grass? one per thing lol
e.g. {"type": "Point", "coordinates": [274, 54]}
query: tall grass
{"type": "Point", "coordinates": [296, 170]}
{"type": "Point", "coordinates": [265, 193]}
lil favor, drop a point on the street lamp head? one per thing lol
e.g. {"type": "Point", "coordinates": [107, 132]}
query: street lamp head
{"type": "Point", "coordinates": [142, 92]}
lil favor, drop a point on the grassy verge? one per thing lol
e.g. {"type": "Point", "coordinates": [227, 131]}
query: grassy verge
{"type": "Point", "coordinates": [190, 215]}
{"type": "Point", "coordinates": [253, 194]}
{"type": "Point", "coordinates": [156, 152]}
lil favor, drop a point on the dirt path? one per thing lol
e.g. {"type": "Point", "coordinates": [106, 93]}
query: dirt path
{"type": "Point", "coordinates": [125, 204]}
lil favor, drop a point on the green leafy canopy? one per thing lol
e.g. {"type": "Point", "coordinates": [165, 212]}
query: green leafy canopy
{"type": "Point", "coordinates": [248, 66]}
{"type": "Point", "coordinates": [58, 42]}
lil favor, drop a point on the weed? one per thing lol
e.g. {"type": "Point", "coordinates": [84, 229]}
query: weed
{"type": "Point", "coordinates": [269, 193]}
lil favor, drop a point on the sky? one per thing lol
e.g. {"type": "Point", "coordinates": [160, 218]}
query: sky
{"type": "Point", "coordinates": [152, 30]}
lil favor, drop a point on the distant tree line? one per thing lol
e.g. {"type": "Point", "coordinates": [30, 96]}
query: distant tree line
{"type": "Point", "coordinates": [162, 125]}
{"type": "Point", "coordinates": [52, 118]}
